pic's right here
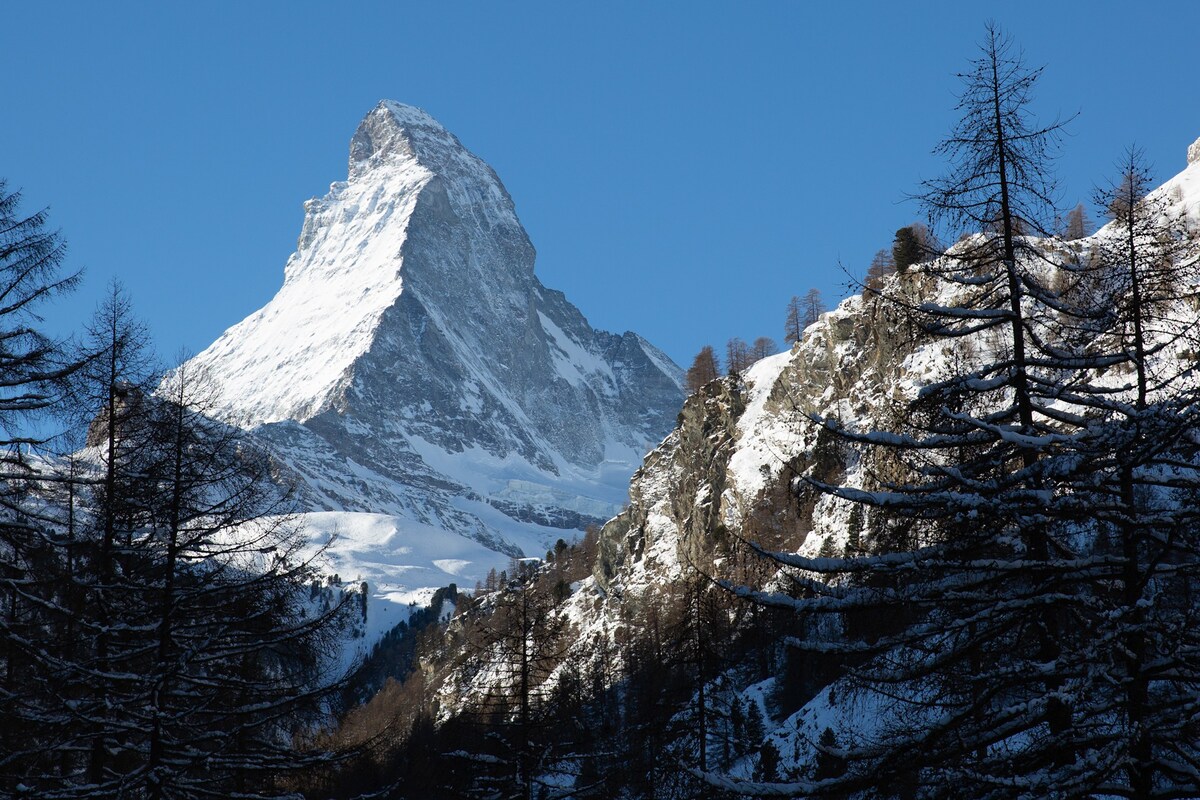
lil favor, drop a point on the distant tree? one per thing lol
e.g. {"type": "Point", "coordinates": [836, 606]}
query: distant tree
{"type": "Point", "coordinates": [520, 641]}
{"type": "Point", "coordinates": [703, 371]}
{"type": "Point", "coordinates": [906, 248]}
{"type": "Point", "coordinates": [737, 356]}
{"type": "Point", "coordinates": [882, 265]}
{"type": "Point", "coordinates": [828, 764]}
{"type": "Point", "coordinates": [812, 307]}
{"type": "Point", "coordinates": [802, 312]}
{"type": "Point", "coordinates": [1078, 224]}
{"type": "Point", "coordinates": [763, 346]}
{"type": "Point", "coordinates": [769, 758]}
{"type": "Point", "coordinates": [793, 328]}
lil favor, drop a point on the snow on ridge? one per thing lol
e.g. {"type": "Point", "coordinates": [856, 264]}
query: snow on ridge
{"type": "Point", "coordinates": [763, 441]}
{"type": "Point", "coordinates": [290, 359]}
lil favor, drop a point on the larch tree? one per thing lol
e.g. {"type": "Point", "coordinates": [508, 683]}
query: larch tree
{"type": "Point", "coordinates": [703, 371]}
{"type": "Point", "coordinates": [1078, 224]}
{"type": "Point", "coordinates": [1144, 666]}
{"type": "Point", "coordinates": [34, 598]}
{"type": "Point", "coordinates": [242, 662]}
{"type": "Point", "coordinates": [812, 307]}
{"type": "Point", "coordinates": [763, 346]}
{"type": "Point", "coordinates": [519, 646]}
{"type": "Point", "coordinates": [737, 356]}
{"type": "Point", "coordinates": [882, 265]}
{"type": "Point", "coordinates": [195, 656]}
{"type": "Point", "coordinates": [793, 329]}
{"type": "Point", "coordinates": [976, 564]}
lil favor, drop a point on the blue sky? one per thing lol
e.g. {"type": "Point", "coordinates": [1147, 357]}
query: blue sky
{"type": "Point", "coordinates": [682, 168]}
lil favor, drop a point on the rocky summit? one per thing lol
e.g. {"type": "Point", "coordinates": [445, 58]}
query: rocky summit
{"type": "Point", "coordinates": [413, 366]}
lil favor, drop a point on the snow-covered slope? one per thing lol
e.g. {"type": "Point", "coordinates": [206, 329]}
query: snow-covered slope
{"type": "Point", "coordinates": [731, 463]}
{"type": "Point", "coordinates": [412, 365]}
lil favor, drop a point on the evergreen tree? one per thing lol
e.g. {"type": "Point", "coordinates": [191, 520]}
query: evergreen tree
{"type": "Point", "coordinates": [906, 248]}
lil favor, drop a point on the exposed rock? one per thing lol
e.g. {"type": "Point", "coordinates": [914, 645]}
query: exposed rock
{"type": "Point", "coordinates": [412, 363]}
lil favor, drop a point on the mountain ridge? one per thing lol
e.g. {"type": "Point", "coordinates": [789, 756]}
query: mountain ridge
{"type": "Point", "coordinates": [413, 365]}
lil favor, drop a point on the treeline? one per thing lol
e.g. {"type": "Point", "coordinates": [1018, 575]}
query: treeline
{"type": "Point", "coordinates": [163, 631]}
{"type": "Point", "coordinates": [912, 244]}
{"type": "Point", "coordinates": [544, 709]}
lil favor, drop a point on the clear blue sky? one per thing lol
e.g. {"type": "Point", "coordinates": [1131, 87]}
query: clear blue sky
{"type": "Point", "coordinates": [682, 168]}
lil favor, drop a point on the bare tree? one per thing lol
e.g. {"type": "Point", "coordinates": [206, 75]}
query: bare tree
{"type": "Point", "coordinates": [763, 346]}
{"type": "Point", "coordinates": [35, 604]}
{"type": "Point", "coordinates": [1146, 260]}
{"type": "Point", "coordinates": [882, 265]}
{"type": "Point", "coordinates": [737, 356]}
{"type": "Point", "coordinates": [813, 307]}
{"type": "Point", "coordinates": [1078, 224]}
{"type": "Point", "coordinates": [703, 371]}
{"type": "Point", "coordinates": [793, 327]}
{"type": "Point", "coordinates": [973, 571]}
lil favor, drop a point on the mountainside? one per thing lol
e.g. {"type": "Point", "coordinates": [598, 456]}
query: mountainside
{"type": "Point", "coordinates": [412, 365]}
{"type": "Point", "coordinates": [727, 476]}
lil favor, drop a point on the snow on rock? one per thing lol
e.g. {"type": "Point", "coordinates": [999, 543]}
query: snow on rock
{"type": "Point", "coordinates": [1193, 153]}
{"type": "Point", "coordinates": [412, 365]}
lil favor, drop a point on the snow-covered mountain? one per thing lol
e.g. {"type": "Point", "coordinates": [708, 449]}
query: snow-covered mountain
{"type": "Point", "coordinates": [413, 366]}
{"type": "Point", "coordinates": [729, 471]}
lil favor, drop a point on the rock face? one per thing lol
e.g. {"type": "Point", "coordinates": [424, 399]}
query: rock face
{"type": "Point", "coordinates": [412, 364]}
{"type": "Point", "coordinates": [1193, 154]}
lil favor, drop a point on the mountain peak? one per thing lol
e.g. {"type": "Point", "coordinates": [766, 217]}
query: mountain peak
{"type": "Point", "coordinates": [413, 364]}
{"type": "Point", "coordinates": [395, 130]}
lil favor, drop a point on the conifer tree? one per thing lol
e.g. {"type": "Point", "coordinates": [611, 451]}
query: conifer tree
{"type": "Point", "coordinates": [793, 329]}
{"type": "Point", "coordinates": [981, 575]}
{"type": "Point", "coordinates": [906, 249]}
{"type": "Point", "coordinates": [1144, 482]}
{"type": "Point", "coordinates": [1078, 224]}
{"type": "Point", "coordinates": [813, 307]}
{"type": "Point", "coordinates": [703, 371]}
{"type": "Point", "coordinates": [737, 356]}
{"type": "Point", "coordinates": [882, 265]}
{"type": "Point", "coordinates": [35, 601]}
{"type": "Point", "coordinates": [520, 643]}
{"type": "Point", "coordinates": [763, 346]}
